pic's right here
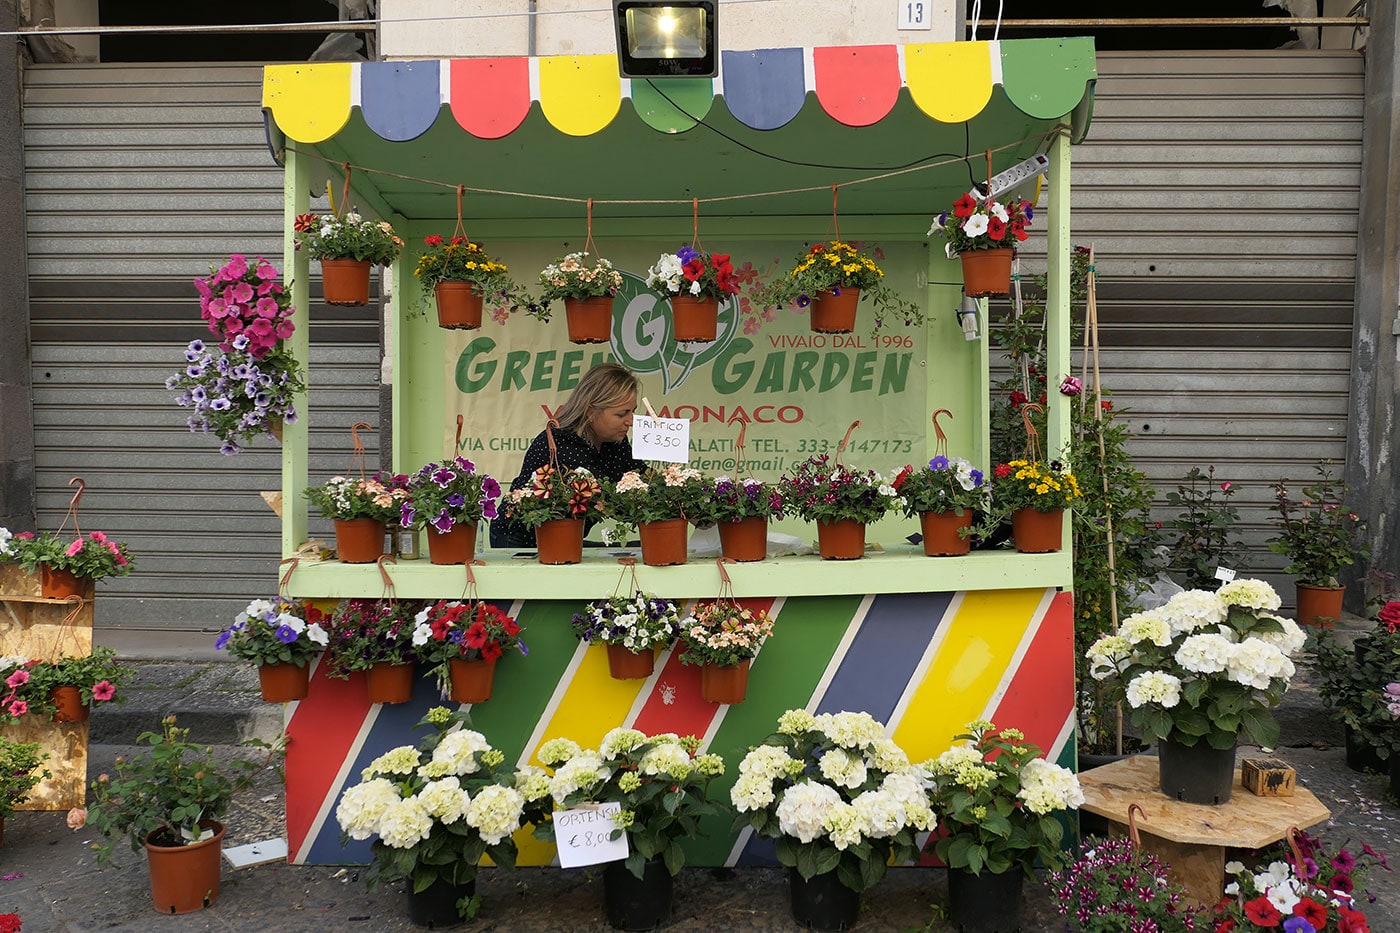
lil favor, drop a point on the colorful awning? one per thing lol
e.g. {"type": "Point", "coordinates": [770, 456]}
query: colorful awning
{"type": "Point", "coordinates": [763, 89]}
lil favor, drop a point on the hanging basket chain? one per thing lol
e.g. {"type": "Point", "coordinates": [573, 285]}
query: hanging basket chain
{"type": "Point", "coordinates": [73, 507]}
{"type": "Point", "coordinates": [841, 448]}
{"type": "Point", "coordinates": [357, 453]}
{"type": "Point", "coordinates": [940, 443]}
{"type": "Point", "coordinates": [589, 248]}
{"type": "Point", "coordinates": [460, 230]}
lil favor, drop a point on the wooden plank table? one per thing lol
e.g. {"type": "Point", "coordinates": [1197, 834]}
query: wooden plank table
{"type": "Point", "coordinates": [1192, 838]}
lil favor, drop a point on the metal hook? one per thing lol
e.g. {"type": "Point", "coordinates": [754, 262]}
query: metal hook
{"type": "Point", "coordinates": [940, 444]}
{"type": "Point", "coordinates": [1135, 810]}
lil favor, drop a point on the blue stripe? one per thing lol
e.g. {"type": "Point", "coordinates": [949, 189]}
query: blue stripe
{"type": "Point", "coordinates": [765, 88]}
{"type": "Point", "coordinates": [399, 100]}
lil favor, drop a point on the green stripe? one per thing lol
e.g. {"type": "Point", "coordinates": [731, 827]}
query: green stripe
{"type": "Point", "coordinates": [523, 686]}
{"type": "Point", "coordinates": [784, 675]}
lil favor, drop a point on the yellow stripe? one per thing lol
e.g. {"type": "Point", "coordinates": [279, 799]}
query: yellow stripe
{"type": "Point", "coordinates": [972, 657]}
{"type": "Point", "coordinates": [580, 94]}
{"type": "Point", "coordinates": [949, 81]}
{"type": "Point", "coordinates": [310, 103]}
{"type": "Point", "coordinates": [593, 704]}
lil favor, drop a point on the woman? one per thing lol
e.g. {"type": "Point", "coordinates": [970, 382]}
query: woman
{"type": "Point", "coordinates": [592, 434]}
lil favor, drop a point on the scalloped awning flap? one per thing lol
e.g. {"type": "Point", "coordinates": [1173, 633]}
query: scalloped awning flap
{"type": "Point", "coordinates": [763, 89]}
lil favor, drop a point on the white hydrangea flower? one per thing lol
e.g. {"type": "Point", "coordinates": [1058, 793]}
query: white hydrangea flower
{"type": "Point", "coordinates": [796, 722]}
{"type": "Point", "coordinates": [1192, 610]}
{"type": "Point", "coordinates": [1290, 641]}
{"type": "Point", "coordinates": [361, 807]}
{"type": "Point", "coordinates": [445, 800]}
{"type": "Point", "coordinates": [405, 824]}
{"type": "Point", "coordinates": [1150, 626]}
{"type": "Point", "coordinates": [532, 782]}
{"type": "Point", "coordinates": [851, 730]}
{"type": "Point", "coordinates": [1255, 663]}
{"type": "Point", "coordinates": [803, 810]}
{"type": "Point", "coordinates": [842, 768]}
{"type": "Point", "coordinates": [668, 758]}
{"type": "Point", "coordinates": [751, 792]}
{"type": "Point", "coordinates": [845, 825]}
{"type": "Point", "coordinates": [885, 755]}
{"type": "Point", "coordinates": [557, 751]}
{"type": "Point", "coordinates": [1205, 653]}
{"type": "Point", "coordinates": [882, 812]}
{"type": "Point", "coordinates": [1249, 594]}
{"type": "Point", "coordinates": [620, 741]}
{"type": "Point", "coordinates": [495, 812]}
{"type": "Point", "coordinates": [401, 760]}
{"type": "Point", "coordinates": [1047, 787]}
{"type": "Point", "coordinates": [460, 751]}
{"type": "Point", "coordinates": [1154, 687]}
{"type": "Point", "coordinates": [584, 770]}
{"type": "Point", "coordinates": [1106, 654]}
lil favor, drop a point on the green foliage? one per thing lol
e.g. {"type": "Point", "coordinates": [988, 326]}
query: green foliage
{"type": "Point", "coordinates": [657, 495]}
{"type": "Point", "coordinates": [20, 771]}
{"type": "Point", "coordinates": [167, 790]}
{"type": "Point", "coordinates": [1199, 537]}
{"type": "Point", "coordinates": [1351, 682]}
{"type": "Point", "coordinates": [832, 267]}
{"type": "Point", "coordinates": [1318, 535]}
{"type": "Point", "coordinates": [348, 236]}
{"type": "Point", "coordinates": [92, 557]}
{"type": "Point", "coordinates": [85, 673]}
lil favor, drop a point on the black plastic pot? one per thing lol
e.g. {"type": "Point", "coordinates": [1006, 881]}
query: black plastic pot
{"type": "Point", "coordinates": [985, 903]}
{"type": "Point", "coordinates": [634, 903]}
{"type": "Point", "coordinates": [1196, 773]}
{"type": "Point", "coordinates": [1362, 755]}
{"type": "Point", "coordinates": [822, 903]}
{"type": "Point", "coordinates": [435, 907]}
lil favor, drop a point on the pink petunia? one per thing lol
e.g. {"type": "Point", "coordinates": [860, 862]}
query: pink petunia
{"type": "Point", "coordinates": [18, 707]}
{"type": "Point", "coordinates": [17, 679]}
{"type": "Point", "coordinates": [103, 690]}
{"type": "Point", "coordinates": [75, 547]}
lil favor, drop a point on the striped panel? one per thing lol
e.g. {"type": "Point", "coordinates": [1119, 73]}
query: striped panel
{"type": "Point", "coordinates": [400, 100]}
{"type": "Point", "coordinates": [675, 106]}
{"type": "Point", "coordinates": [927, 69]}
{"type": "Point", "coordinates": [580, 94]}
{"type": "Point", "coordinates": [490, 97]}
{"type": "Point", "coordinates": [764, 89]}
{"type": "Point", "coordinates": [857, 85]}
{"type": "Point", "coordinates": [1033, 701]}
{"type": "Point", "coordinates": [311, 103]}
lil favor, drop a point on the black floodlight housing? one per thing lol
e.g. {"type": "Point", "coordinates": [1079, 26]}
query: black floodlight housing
{"type": "Point", "coordinates": [667, 38]}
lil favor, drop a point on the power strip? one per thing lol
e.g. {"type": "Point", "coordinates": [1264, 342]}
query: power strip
{"type": "Point", "coordinates": [1013, 177]}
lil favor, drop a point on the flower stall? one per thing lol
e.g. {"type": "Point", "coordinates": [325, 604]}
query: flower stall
{"type": "Point", "coordinates": [840, 155]}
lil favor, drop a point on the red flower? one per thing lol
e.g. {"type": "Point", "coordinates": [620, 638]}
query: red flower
{"type": "Point", "coordinates": [1002, 471]}
{"type": "Point", "coordinates": [1018, 229]}
{"type": "Point", "coordinates": [1018, 399]}
{"type": "Point", "coordinates": [433, 240]}
{"type": "Point", "coordinates": [996, 229]}
{"type": "Point", "coordinates": [459, 240]}
{"type": "Point", "coordinates": [903, 475]}
{"type": "Point", "coordinates": [491, 651]}
{"type": "Point", "coordinates": [964, 206]}
{"type": "Point", "coordinates": [1311, 911]}
{"type": "Point", "coordinates": [1390, 615]}
{"type": "Point", "coordinates": [1352, 921]}
{"type": "Point", "coordinates": [693, 270]}
{"type": "Point", "coordinates": [1224, 926]}
{"type": "Point", "coordinates": [304, 223]}
{"type": "Point", "coordinates": [475, 636]}
{"type": "Point", "coordinates": [1262, 913]}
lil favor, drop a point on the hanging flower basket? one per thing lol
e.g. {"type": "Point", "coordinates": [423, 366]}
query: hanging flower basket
{"type": "Point", "coordinates": [834, 311]}
{"type": "Point", "coordinates": [589, 319]}
{"type": "Point", "coordinates": [345, 281]}
{"type": "Point", "coordinates": [458, 305]}
{"type": "Point", "coordinates": [987, 272]}
{"type": "Point", "coordinates": [694, 320]}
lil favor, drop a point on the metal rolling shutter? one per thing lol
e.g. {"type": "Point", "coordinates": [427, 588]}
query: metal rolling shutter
{"type": "Point", "coordinates": [1221, 193]}
{"type": "Point", "coordinates": [139, 177]}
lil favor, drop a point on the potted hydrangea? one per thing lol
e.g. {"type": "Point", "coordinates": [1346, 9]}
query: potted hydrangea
{"type": "Point", "coordinates": [661, 503]}
{"type": "Point", "coordinates": [464, 279]}
{"type": "Point", "coordinates": [361, 509]}
{"type": "Point", "coordinates": [829, 280]}
{"type": "Point", "coordinates": [375, 636]}
{"type": "Point", "coordinates": [841, 500]}
{"type": "Point", "coordinates": [556, 504]}
{"type": "Point", "coordinates": [661, 788]}
{"type": "Point", "coordinates": [587, 288]}
{"type": "Point", "coordinates": [944, 494]}
{"type": "Point", "coordinates": [695, 282]}
{"type": "Point", "coordinates": [463, 641]}
{"type": "Point", "coordinates": [841, 800]}
{"type": "Point", "coordinates": [280, 636]}
{"type": "Point", "coordinates": [722, 637]}
{"type": "Point", "coordinates": [346, 246]}
{"type": "Point", "coordinates": [983, 235]}
{"type": "Point", "coordinates": [450, 498]}
{"type": "Point", "coordinates": [632, 628]}
{"type": "Point", "coordinates": [999, 806]}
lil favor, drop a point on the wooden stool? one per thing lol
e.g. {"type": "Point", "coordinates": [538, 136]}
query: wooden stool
{"type": "Point", "coordinates": [1190, 837]}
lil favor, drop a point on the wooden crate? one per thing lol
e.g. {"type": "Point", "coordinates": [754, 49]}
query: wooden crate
{"type": "Point", "coordinates": [1268, 777]}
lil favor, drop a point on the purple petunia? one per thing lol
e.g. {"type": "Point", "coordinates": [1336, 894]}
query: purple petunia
{"type": "Point", "coordinates": [285, 634]}
{"type": "Point", "coordinates": [443, 476]}
{"type": "Point", "coordinates": [222, 641]}
{"type": "Point", "coordinates": [938, 463]}
{"type": "Point", "coordinates": [443, 522]}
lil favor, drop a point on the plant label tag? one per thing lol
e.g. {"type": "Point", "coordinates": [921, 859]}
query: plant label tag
{"type": "Point", "coordinates": [583, 835]}
{"type": "Point", "coordinates": [665, 439]}
{"type": "Point", "coordinates": [1224, 574]}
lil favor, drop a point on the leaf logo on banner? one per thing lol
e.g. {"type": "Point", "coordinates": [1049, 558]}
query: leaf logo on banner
{"type": "Point", "coordinates": [643, 338]}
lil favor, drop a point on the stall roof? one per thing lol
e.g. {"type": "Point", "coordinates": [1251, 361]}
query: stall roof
{"type": "Point", "coordinates": [890, 125]}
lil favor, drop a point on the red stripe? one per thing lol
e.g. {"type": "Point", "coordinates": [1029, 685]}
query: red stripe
{"type": "Point", "coordinates": [319, 738]}
{"type": "Point", "coordinates": [687, 714]}
{"type": "Point", "coordinates": [1041, 694]}
{"type": "Point", "coordinates": [490, 97]}
{"type": "Point", "coordinates": [857, 85]}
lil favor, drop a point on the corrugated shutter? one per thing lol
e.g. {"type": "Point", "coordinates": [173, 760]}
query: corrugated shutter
{"type": "Point", "coordinates": [138, 177]}
{"type": "Point", "coordinates": [1220, 191]}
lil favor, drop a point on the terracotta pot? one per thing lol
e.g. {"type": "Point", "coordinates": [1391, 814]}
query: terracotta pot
{"type": "Point", "coordinates": [283, 683]}
{"type": "Point", "coordinates": [186, 878]}
{"type": "Point", "coordinates": [390, 683]}
{"type": "Point", "coordinates": [560, 541]}
{"type": "Point", "coordinates": [724, 684]}
{"type": "Point", "coordinates": [835, 314]}
{"type": "Point", "coordinates": [59, 584]}
{"type": "Point", "coordinates": [841, 540]}
{"type": "Point", "coordinates": [472, 680]}
{"type": "Point", "coordinates": [626, 664]}
{"type": "Point", "coordinates": [68, 705]}
{"type": "Point", "coordinates": [1319, 606]}
{"type": "Point", "coordinates": [940, 529]}
{"type": "Point", "coordinates": [345, 281]}
{"type": "Point", "coordinates": [590, 319]}
{"type": "Point", "coordinates": [744, 540]}
{"type": "Point", "coordinates": [358, 540]}
{"type": "Point", "coordinates": [1036, 532]}
{"type": "Point", "coordinates": [663, 543]}
{"type": "Point", "coordinates": [458, 305]}
{"type": "Point", "coordinates": [694, 320]}
{"type": "Point", "coordinates": [456, 546]}
{"type": "Point", "coordinates": [987, 271]}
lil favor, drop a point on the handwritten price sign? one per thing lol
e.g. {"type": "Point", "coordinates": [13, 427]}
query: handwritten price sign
{"type": "Point", "coordinates": [583, 835]}
{"type": "Point", "coordinates": [665, 439]}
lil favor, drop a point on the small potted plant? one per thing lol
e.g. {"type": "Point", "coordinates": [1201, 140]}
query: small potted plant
{"type": "Point", "coordinates": [999, 806]}
{"type": "Point", "coordinates": [1319, 536]}
{"type": "Point", "coordinates": [450, 498]}
{"type": "Point", "coordinates": [587, 288]}
{"type": "Point", "coordinates": [1196, 674]}
{"type": "Point", "coordinates": [742, 509]}
{"type": "Point", "coordinates": [556, 504]}
{"type": "Point", "coordinates": [841, 800]}
{"type": "Point", "coordinates": [662, 787]}
{"type": "Point", "coordinates": [722, 637]}
{"type": "Point", "coordinates": [280, 636]}
{"type": "Point", "coordinates": [66, 688]}
{"type": "Point", "coordinates": [169, 798]}
{"type": "Point", "coordinates": [464, 279]}
{"type": "Point", "coordinates": [14, 671]}
{"type": "Point", "coordinates": [1034, 495]}
{"type": "Point", "coordinates": [463, 642]}
{"type": "Point", "coordinates": [944, 494]}
{"type": "Point", "coordinates": [661, 503]}
{"type": "Point", "coordinates": [1347, 677]}
{"type": "Point", "coordinates": [65, 566]}
{"type": "Point", "coordinates": [841, 500]}
{"type": "Point", "coordinates": [695, 282]}
{"type": "Point", "coordinates": [983, 235]}
{"type": "Point", "coordinates": [360, 508]}
{"type": "Point", "coordinates": [21, 770]}
{"type": "Point", "coordinates": [465, 805]}
{"type": "Point", "coordinates": [830, 279]}
{"type": "Point", "coordinates": [1322, 886]}
{"type": "Point", "coordinates": [375, 636]}
{"type": "Point", "coordinates": [346, 246]}
{"type": "Point", "coordinates": [1111, 880]}
{"type": "Point", "coordinates": [632, 628]}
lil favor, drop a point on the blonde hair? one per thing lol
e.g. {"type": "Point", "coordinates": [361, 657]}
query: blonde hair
{"type": "Point", "coordinates": [603, 386]}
